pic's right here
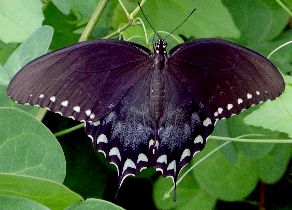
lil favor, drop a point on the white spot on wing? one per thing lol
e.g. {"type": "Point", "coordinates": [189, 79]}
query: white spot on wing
{"type": "Point", "coordinates": [92, 116]}
{"type": "Point", "coordinates": [151, 142]}
{"type": "Point", "coordinates": [76, 108]}
{"type": "Point", "coordinates": [239, 100]}
{"type": "Point", "coordinates": [128, 164]}
{"type": "Point", "coordinates": [90, 137]}
{"type": "Point", "coordinates": [162, 159]}
{"type": "Point", "coordinates": [60, 113]}
{"type": "Point", "coordinates": [115, 152]}
{"type": "Point", "coordinates": [258, 93]}
{"type": "Point", "coordinates": [172, 166]}
{"type": "Point", "coordinates": [142, 157]}
{"type": "Point", "coordinates": [198, 139]}
{"type": "Point", "coordinates": [53, 99]}
{"type": "Point", "coordinates": [207, 122]}
{"type": "Point", "coordinates": [185, 154]}
{"type": "Point", "coordinates": [249, 96]}
{"type": "Point", "coordinates": [215, 114]}
{"type": "Point", "coordinates": [220, 110]}
{"type": "Point", "coordinates": [102, 138]}
{"type": "Point", "coordinates": [88, 112]}
{"type": "Point", "coordinates": [97, 123]}
{"type": "Point", "coordinates": [41, 96]}
{"type": "Point", "coordinates": [64, 103]}
{"type": "Point", "coordinates": [229, 106]}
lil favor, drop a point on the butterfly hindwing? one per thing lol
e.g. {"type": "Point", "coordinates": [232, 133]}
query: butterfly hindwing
{"type": "Point", "coordinates": [84, 81]}
{"type": "Point", "coordinates": [123, 136]}
{"type": "Point", "coordinates": [224, 78]}
{"type": "Point", "coordinates": [183, 128]}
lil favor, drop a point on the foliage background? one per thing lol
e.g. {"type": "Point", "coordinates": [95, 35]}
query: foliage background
{"type": "Point", "coordinates": [39, 171]}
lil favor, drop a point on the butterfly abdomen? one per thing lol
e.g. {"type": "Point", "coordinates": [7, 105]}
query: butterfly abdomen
{"type": "Point", "coordinates": [157, 88]}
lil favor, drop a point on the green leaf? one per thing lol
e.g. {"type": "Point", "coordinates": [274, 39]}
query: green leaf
{"type": "Point", "coordinates": [63, 5]}
{"type": "Point", "coordinates": [28, 147]}
{"type": "Point", "coordinates": [273, 166]}
{"type": "Point", "coordinates": [252, 151]}
{"type": "Point", "coordinates": [189, 195]}
{"type": "Point", "coordinates": [4, 76]}
{"type": "Point", "coordinates": [94, 204]}
{"type": "Point", "coordinates": [257, 20]}
{"type": "Point", "coordinates": [5, 51]}
{"type": "Point", "coordinates": [222, 129]}
{"type": "Point", "coordinates": [223, 180]}
{"type": "Point", "coordinates": [207, 21]}
{"type": "Point", "coordinates": [46, 192]}
{"type": "Point", "coordinates": [63, 25]}
{"type": "Point", "coordinates": [7, 102]}
{"type": "Point", "coordinates": [37, 44]}
{"type": "Point", "coordinates": [281, 58]}
{"type": "Point", "coordinates": [81, 161]}
{"type": "Point", "coordinates": [83, 9]}
{"type": "Point", "coordinates": [274, 115]}
{"type": "Point", "coordinates": [19, 203]}
{"type": "Point", "coordinates": [19, 19]}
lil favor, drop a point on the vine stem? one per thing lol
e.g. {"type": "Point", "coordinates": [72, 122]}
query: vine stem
{"type": "Point", "coordinates": [93, 20]}
{"type": "Point", "coordinates": [131, 19]}
{"type": "Point", "coordinates": [266, 141]}
{"type": "Point", "coordinates": [69, 130]}
{"type": "Point", "coordinates": [284, 7]}
{"type": "Point", "coordinates": [84, 36]}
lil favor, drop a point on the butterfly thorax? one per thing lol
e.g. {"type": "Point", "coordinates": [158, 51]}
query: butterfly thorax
{"type": "Point", "coordinates": [157, 87]}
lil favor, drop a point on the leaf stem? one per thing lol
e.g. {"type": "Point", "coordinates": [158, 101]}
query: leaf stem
{"type": "Point", "coordinates": [69, 130]}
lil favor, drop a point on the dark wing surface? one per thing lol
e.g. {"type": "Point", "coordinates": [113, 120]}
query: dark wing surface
{"type": "Point", "coordinates": [224, 78]}
{"type": "Point", "coordinates": [84, 81]}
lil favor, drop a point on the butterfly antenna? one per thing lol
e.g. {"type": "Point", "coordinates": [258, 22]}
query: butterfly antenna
{"type": "Point", "coordinates": [180, 23]}
{"type": "Point", "coordinates": [148, 21]}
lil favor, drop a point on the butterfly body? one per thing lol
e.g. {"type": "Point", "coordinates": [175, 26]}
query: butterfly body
{"type": "Point", "coordinates": [145, 109]}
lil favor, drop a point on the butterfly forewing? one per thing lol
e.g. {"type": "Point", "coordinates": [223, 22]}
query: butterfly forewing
{"type": "Point", "coordinates": [84, 81]}
{"type": "Point", "coordinates": [224, 78]}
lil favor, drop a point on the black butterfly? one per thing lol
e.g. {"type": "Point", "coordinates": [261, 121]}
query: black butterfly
{"type": "Point", "coordinates": [145, 109]}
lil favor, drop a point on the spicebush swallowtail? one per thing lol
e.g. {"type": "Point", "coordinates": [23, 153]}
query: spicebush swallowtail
{"type": "Point", "coordinates": [145, 109]}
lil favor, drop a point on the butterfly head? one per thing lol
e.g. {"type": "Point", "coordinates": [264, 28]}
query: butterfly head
{"type": "Point", "coordinates": [160, 46]}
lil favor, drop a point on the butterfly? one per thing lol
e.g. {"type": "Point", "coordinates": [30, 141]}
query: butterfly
{"type": "Point", "coordinates": [144, 108]}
